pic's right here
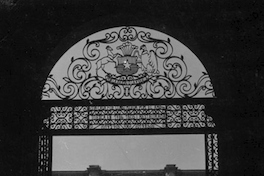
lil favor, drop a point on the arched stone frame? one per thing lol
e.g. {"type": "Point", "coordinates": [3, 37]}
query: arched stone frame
{"type": "Point", "coordinates": [98, 85]}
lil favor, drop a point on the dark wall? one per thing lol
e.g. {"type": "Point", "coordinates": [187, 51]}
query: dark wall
{"type": "Point", "coordinates": [227, 36]}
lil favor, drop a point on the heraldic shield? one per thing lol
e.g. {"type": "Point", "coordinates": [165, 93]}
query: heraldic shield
{"type": "Point", "coordinates": [128, 63]}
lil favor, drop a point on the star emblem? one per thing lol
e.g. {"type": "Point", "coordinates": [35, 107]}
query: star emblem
{"type": "Point", "coordinates": [126, 64]}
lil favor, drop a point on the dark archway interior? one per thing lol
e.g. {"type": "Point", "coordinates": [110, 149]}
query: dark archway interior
{"type": "Point", "coordinates": [226, 36]}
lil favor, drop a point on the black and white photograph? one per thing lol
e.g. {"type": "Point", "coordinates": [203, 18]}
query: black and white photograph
{"type": "Point", "coordinates": [131, 88]}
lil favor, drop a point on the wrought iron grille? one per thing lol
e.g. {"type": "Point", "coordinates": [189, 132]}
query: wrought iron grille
{"type": "Point", "coordinates": [212, 154]}
{"type": "Point", "coordinates": [44, 158]}
{"type": "Point", "coordinates": [128, 117]}
{"type": "Point", "coordinates": [44, 155]}
{"type": "Point", "coordinates": [128, 63]}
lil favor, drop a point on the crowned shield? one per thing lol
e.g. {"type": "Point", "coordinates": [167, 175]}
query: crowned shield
{"type": "Point", "coordinates": [127, 64]}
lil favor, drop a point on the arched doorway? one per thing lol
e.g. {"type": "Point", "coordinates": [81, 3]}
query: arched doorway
{"type": "Point", "coordinates": [128, 80]}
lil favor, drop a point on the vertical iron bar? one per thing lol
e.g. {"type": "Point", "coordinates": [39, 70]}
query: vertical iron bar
{"type": "Point", "coordinates": [49, 125]}
{"type": "Point", "coordinates": [72, 112]}
{"type": "Point", "coordinates": [49, 157]}
{"type": "Point", "coordinates": [166, 118]}
{"type": "Point", "coordinates": [39, 156]}
{"type": "Point", "coordinates": [206, 122]}
{"type": "Point", "coordinates": [213, 152]}
{"type": "Point", "coordinates": [181, 106]}
{"type": "Point", "coordinates": [88, 117]}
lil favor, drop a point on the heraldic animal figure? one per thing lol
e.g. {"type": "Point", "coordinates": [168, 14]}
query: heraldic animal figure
{"type": "Point", "coordinates": [100, 64]}
{"type": "Point", "coordinates": [148, 60]}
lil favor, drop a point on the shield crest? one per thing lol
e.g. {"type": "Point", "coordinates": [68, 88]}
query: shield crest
{"type": "Point", "coordinates": [127, 64]}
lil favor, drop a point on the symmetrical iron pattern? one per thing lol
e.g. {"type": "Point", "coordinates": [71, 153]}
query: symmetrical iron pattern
{"type": "Point", "coordinates": [188, 116]}
{"type": "Point", "coordinates": [129, 63]}
{"type": "Point", "coordinates": [44, 155]}
{"type": "Point", "coordinates": [212, 154]}
{"type": "Point", "coordinates": [128, 117]}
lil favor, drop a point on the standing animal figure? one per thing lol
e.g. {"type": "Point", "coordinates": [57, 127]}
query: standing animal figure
{"type": "Point", "coordinates": [109, 58]}
{"type": "Point", "coordinates": [149, 61]}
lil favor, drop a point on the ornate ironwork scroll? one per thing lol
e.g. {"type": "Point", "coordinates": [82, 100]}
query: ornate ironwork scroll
{"type": "Point", "coordinates": [128, 117]}
{"type": "Point", "coordinates": [212, 154]}
{"type": "Point", "coordinates": [128, 63]}
{"type": "Point", "coordinates": [188, 116]}
{"type": "Point", "coordinates": [44, 155]}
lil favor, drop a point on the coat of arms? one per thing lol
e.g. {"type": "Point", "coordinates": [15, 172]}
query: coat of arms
{"type": "Point", "coordinates": [130, 60]}
{"type": "Point", "coordinates": [128, 63]}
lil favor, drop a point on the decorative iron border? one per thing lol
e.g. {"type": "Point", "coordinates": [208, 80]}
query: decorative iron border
{"type": "Point", "coordinates": [128, 117]}
{"type": "Point", "coordinates": [212, 166]}
{"type": "Point", "coordinates": [96, 118]}
{"type": "Point", "coordinates": [44, 155]}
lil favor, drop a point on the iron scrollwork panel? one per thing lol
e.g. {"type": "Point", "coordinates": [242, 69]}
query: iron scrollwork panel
{"type": "Point", "coordinates": [174, 116]}
{"type": "Point", "coordinates": [193, 116]}
{"type": "Point", "coordinates": [128, 63]}
{"type": "Point", "coordinates": [60, 118]}
{"type": "Point", "coordinates": [212, 155]}
{"type": "Point", "coordinates": [44, 155]}
{"type": "Point", "coordinates": [129, 117]}
{"type": "Point", "coordinates": [81, 117]}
